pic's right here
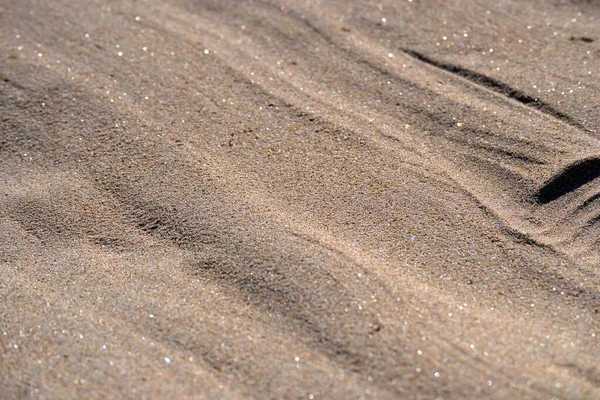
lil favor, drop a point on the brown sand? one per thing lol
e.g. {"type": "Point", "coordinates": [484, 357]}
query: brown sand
{"type": "Point", "coordinates": [299, 199]}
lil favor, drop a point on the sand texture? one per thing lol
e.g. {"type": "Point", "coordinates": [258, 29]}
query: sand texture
{"type": "Point", "coordinates": [283, 199]}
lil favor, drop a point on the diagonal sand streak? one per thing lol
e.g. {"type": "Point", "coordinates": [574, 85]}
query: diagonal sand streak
{"type": "Point", "coordinates": [235, 177]}
{"type": "Point", "coordinates": [517, 126]}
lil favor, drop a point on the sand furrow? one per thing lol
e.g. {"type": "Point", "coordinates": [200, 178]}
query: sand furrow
{"type": "Point", "coordinates": [273, 200]}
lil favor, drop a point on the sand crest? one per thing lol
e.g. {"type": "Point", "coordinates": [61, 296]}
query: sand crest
{"type": "Point", "coordinates": [312, 200]}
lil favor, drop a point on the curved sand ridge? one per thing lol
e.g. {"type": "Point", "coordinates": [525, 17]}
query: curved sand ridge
{"type": "Point", "coordinates": [299, 200]}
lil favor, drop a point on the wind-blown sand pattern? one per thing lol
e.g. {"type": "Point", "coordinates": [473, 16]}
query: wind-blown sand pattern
{"type": "Point", "coordinates": [299, 199]}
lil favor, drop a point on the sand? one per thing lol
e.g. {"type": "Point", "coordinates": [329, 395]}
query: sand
{"type": "Point", "coordinates": [299, 199]}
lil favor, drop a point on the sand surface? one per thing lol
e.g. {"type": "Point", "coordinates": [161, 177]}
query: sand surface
{"type": "Point", "coordinates": [300, 199]}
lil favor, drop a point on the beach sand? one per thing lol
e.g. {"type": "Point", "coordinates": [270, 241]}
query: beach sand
{"type": "Point", "coordinates": [299, 199]}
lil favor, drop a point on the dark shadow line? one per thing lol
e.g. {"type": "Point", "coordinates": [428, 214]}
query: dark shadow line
{"type": "Point", "coordinates": [498, 86]}
{"type": "Point", "coordinates": [569, 179]}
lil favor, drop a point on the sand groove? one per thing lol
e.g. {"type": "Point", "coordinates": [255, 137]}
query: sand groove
{"type": "Point", "coordinates": [570, 179]}
{"type": "Point", "coordinates": [224, 199]}
{"type": "Point", "coordinates": [498, 86]}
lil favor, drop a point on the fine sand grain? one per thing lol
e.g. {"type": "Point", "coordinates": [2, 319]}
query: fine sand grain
{"type": "Point", "coordinates": [281, 199]}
